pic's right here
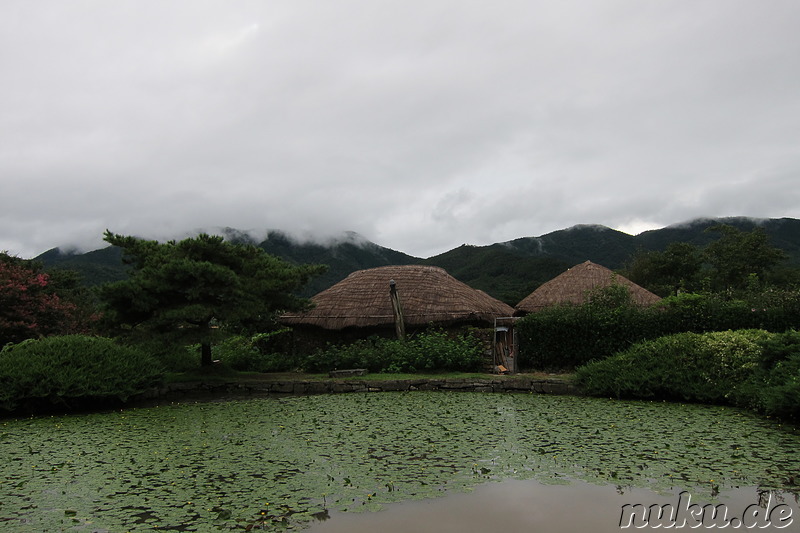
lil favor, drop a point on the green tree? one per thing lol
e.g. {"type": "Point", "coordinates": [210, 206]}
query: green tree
{"type": "Point", "coordinates": [737, 256]}
{"type": "Point", "coordinates": [664, 273]}
{"type": "Point", "coordinates": [35, 304]}
{"type": "Point", "coordinates": [201, 288]}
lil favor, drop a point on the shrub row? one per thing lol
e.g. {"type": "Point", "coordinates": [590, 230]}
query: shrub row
{"type": "Point", "coordinates": [747, 368]}
{"type": "Point", "coordinates": [565, 337]}
{"type": "Point", "coordinates": [263, 352]}
{"type": "Point", "coordinates": [426, 351]}
{"type": "Point", "coordinates": [423, 352]}
{"type": "Point", "coordinates": [72, 371]}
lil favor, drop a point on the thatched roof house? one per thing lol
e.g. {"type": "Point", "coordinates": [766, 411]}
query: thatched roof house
{"type": "Point", "coordinates": [574, 285]}
{"type": "Point", "coordinates": [428, 295]}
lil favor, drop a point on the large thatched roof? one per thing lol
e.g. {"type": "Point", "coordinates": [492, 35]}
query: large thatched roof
{"type": "Point", "coordinates": [428, 294]}
{"type": "Point", "coordinates": [573, 286]}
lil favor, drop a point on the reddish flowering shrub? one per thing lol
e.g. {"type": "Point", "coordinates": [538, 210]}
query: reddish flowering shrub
{"type": "Point", "coordinates": [28, 306]}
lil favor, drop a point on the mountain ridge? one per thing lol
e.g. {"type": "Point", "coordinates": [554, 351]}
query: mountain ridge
{"type": "Point", "coordinates": [507, 270]}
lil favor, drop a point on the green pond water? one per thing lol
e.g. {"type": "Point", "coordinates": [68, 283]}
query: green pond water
{"type": "Point", "coordinates": [284, 462]}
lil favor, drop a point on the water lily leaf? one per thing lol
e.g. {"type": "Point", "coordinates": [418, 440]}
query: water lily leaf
{"type": "Point", "coordinates": [270, 462]}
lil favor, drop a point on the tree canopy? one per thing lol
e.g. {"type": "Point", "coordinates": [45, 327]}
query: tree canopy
{"type": "Point", "coordinates": [664, 273]}
{"type": "Point", "coordinates": [202, 287]}
{"type": "Point", "coordinates": [737, 257]}
{"type": "Point", "coordinates": [31, 305]}
{"type": "Point", "coordinates": [734, 261]}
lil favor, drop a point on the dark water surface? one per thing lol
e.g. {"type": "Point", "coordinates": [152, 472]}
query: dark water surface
{"type": "Point", "coordinates": [514, 506]}
{"type": "Point", "coordinates": [271, 463]}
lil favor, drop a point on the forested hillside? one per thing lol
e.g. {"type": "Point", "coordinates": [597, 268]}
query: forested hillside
{"type": "Point", "coordinates": [508, 271]}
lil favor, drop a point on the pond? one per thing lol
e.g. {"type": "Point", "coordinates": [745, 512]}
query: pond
{"type": "Point", "coordinates": [289, 462]}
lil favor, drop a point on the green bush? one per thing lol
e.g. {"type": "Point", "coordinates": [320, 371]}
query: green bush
{"type": "Point", "coordinates": [68, 371]}
{"type": "Point", "coordinates": [430, 351]}
{"type": "Point", "coordinates": [249, 354]}
{"type": "Point", "coordinates": [779, 395]}
{"type": "Point", "coordinates": [173, 356]}
{"type": "Point", "coordinates": [747, 368]}
{"type": "Point", "coordinates": [779, 347]}
{"type": "Point", "coordinates": [686, 366]}
{"type": "Point", "coordinates": [372, 354]}
{"type": "Point", "coordinates": [566, 337]}
{"type": "Point", "coordinates": [774, 389]}
{"type": "Point", "coordinates": [178, 358]}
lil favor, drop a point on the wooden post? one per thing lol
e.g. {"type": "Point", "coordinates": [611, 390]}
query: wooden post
{"type": "Point", "coordinates": [397, 310]}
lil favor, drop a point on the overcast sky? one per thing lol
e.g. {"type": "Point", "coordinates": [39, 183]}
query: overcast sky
{"type": "Point", "coordinates": [420, 124]}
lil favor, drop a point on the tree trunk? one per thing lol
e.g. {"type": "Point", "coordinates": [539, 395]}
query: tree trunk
{"type": "Point", "coordinates": [205, 342]}
{"type": "Point", "coordinates": [205, 354]}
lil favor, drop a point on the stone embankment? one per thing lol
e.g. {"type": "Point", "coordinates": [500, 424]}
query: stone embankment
{"type": "Point", "coordinates": [189, 390]}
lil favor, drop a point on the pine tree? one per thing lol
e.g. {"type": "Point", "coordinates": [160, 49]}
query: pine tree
{"type": "Point", "coordinates": [202, 288]}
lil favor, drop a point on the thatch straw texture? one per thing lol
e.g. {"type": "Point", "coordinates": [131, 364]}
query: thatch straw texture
{"type": "Point", "coordinates": [428, 295]}
{"type": "Point", "coordinates": [574, 285]}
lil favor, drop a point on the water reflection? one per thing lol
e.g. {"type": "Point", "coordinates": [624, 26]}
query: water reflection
{"type": "Point", "coordinates": [529, 506]}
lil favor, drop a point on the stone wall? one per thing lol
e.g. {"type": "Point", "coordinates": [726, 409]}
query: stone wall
{"type": "Point", "coordinates": [206, 390]}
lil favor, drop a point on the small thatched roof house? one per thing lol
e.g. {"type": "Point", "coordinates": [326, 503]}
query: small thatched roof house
{"type": "Point", "coordinates": [574, 285]}
{"type": "Point", "coordinates": [428, 295]}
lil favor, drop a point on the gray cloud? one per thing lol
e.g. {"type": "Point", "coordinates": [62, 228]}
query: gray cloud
{"type": "Point", "coordinates": [421, 125]}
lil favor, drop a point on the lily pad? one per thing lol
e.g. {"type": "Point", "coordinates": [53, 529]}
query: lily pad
{"type": "Point", "coordinates": [282, 462]}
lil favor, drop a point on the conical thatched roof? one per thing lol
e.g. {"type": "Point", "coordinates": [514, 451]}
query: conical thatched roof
{"type": "Point", "coordinates": [573, 286]}
{"type": "Point", "coordinates": [428, 294]}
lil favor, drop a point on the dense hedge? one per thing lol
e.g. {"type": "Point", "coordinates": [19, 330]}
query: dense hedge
{"type": "Point", "coordinates": [427, 351]}
{"type": "Point", "coordinates": [263, 352]}
{"type": "Point", "coordinates": [748, 368]}
{"type": "Point", "coordinates": [565, 337]}
{"type": "Point", "coordinates": [424, 352]}
{"type": "Point", "coordinates": [72, 371]}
